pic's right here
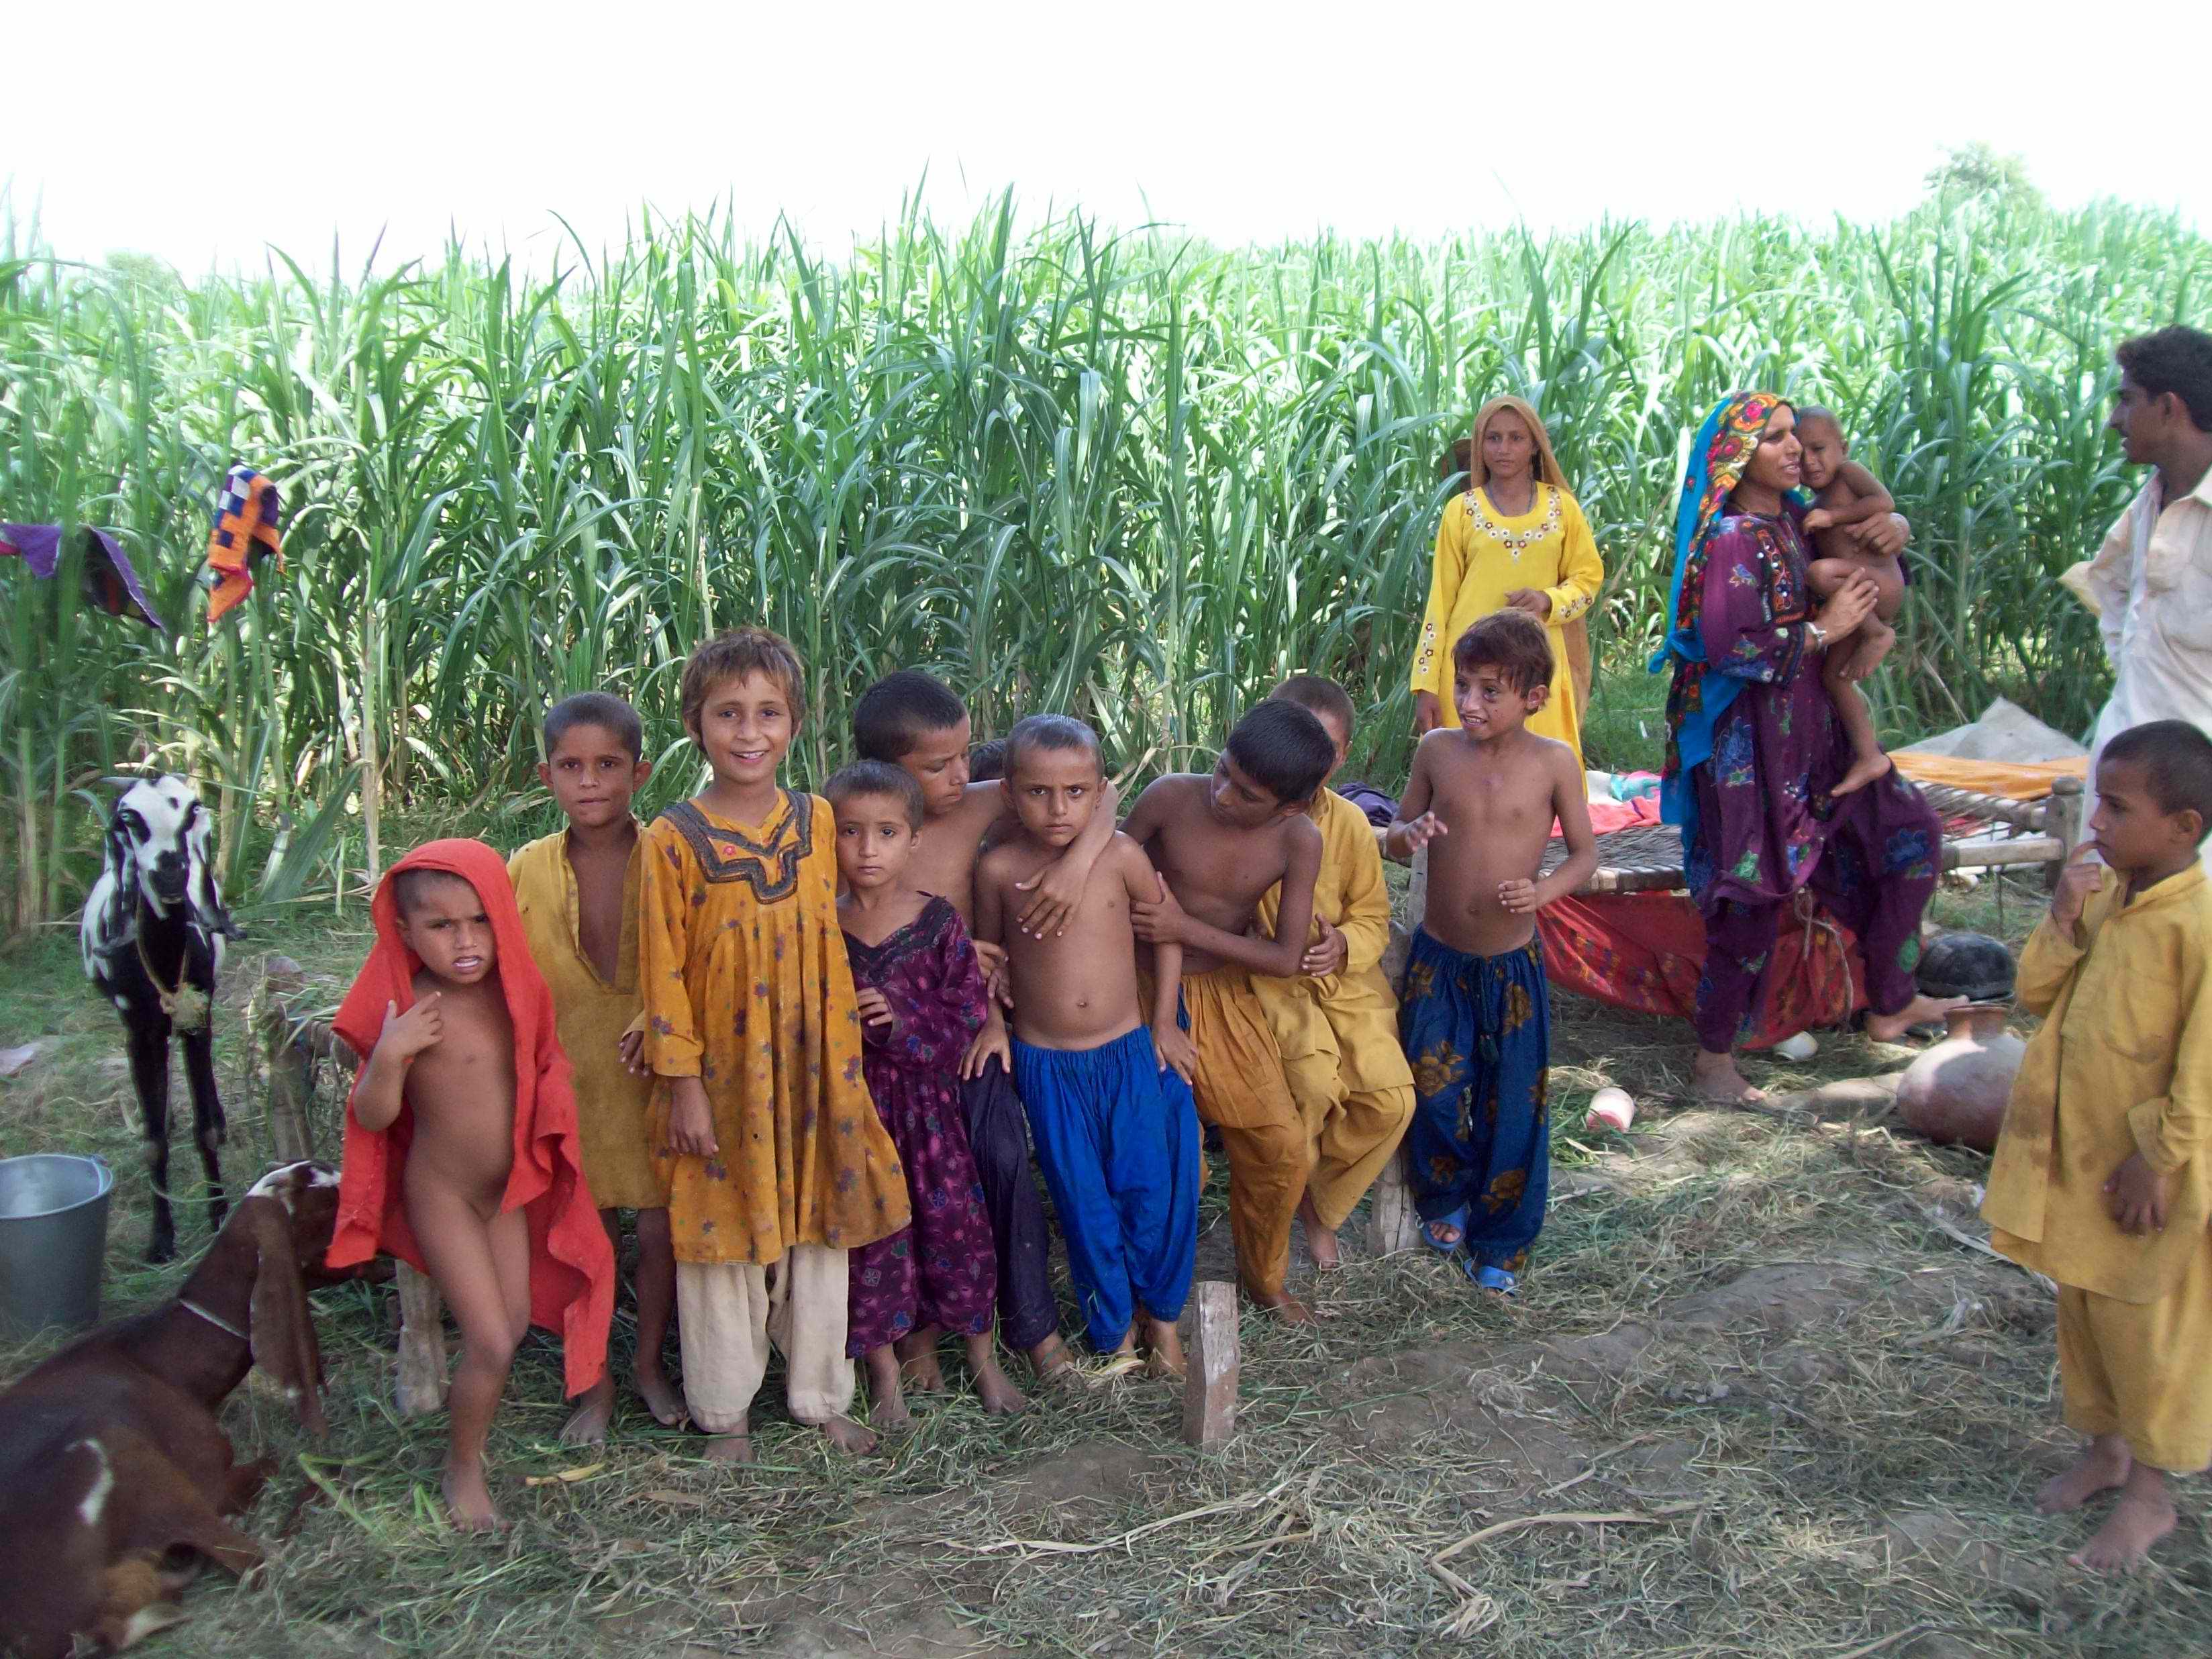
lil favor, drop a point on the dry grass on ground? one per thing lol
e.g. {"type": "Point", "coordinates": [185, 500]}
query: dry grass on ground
{"type": "Point", "coordinates": [1824, 1414]}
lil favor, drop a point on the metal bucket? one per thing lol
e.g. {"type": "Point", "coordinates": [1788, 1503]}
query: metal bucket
{"type": "Point", "coordinates": [53, 1240]}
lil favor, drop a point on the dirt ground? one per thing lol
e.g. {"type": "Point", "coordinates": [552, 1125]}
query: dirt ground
{"type": "Point", "coordinates": [1758, 1397]}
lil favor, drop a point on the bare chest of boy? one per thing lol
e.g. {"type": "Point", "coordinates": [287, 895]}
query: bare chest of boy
{"type": "Point", "coordinates": [1497, 817]}
{"type": "Point", "coordinates": [1076, 988]}
{"type": "Point", "coordinates": [943, 862]}
{"type": "Point", "coordinates": [1217, 875]}
{"type": "Point", "coordinates": [600, 885]}
{"type": "Point", "coordinates": [460, 1090]}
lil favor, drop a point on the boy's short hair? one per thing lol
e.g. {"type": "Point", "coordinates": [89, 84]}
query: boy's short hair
{"type": "Point", "coordinates": [894, 714]}
{"type": "Point", "coordinates": [1061, 731]}
{"type": "Point", "coordinates": [1514, 643]}
{"type": "Point", "coordinates": [2176, 759]}
{"type": "Point", "coordinates": [1321, 695]}
{"type": "Point", "coordinates": [987, 761]}
{"type": "Point", "coordinates": [1281, 747]}
{"type": "Point", "coordinates": [410, 886]}
{"type": "Point", "coordinates": [1814, 415]}
{"type": "Point", "coordinates": [610, 714]}
{"type": "Point", "coordinates": [733, 655]}
{"type": "Point", "coordinates": [2176, 359]}
{"type": "Point", "coordinates": [874, 777]}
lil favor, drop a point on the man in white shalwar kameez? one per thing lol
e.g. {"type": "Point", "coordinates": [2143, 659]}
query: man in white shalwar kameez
{"type": "Point", "coordinates": [2151, 583]}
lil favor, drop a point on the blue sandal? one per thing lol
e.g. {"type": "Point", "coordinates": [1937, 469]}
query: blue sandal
{"type": "Point", "coordinates": [1456, 1221]}
{"type": "Point", "coordinates": [1498, 1280]}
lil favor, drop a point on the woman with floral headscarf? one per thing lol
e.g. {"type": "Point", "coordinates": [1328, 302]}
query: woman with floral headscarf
{"type": "Point", "coordinates": [1753, 746]}
{"type": "Point", "coordinates": [1513, 539]}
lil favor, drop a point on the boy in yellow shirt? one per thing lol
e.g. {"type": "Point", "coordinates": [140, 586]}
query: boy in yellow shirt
{"type": "Point", "coordinates": [1337, 1023]}
{"type": "Point", "coordinates": [578, 892]}
{"type": "Point", "coordinates": [2103, 1175]}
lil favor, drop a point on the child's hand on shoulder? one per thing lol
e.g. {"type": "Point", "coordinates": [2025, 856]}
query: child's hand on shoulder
{"type": "Point", "coordinates": [990, 1042]}
{"type": "Point", "coordinates": [1159, 921]}
{"type": "Point", "coordinates": [1171, 1047]}
{"type": "Point", "coordinates": [405, 1035]}
{"type": "Point", "coordinates": [876, 1010]}
{"type": "Point", "coordinates": [2076, 882]}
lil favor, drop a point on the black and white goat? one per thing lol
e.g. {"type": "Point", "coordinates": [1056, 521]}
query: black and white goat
{"type": "Point", "coordinates": [152, 938]}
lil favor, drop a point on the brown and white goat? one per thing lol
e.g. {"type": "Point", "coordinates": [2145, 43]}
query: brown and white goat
{"type": "Point", "coordinates": [116, 1478]}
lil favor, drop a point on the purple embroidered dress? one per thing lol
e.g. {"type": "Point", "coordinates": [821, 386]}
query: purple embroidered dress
{"type": "Point", "coordinates": [1765, 824]}
{"type": "Point", "coordinates": [941, 1270]}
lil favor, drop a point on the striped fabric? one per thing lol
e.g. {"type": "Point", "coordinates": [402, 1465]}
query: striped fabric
{"type": "Point", "coordinates": [245, 528]}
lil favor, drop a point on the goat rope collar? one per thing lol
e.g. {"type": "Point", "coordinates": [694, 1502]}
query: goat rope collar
{"type": "Point", "coordinates": [186, 1005]}
{"type": "Point", "coordinates": [191, 1306]}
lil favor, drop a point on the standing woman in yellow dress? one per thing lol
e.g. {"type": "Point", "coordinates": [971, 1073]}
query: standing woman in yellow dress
{"type": "Point", "coordinates": [1515, 538]}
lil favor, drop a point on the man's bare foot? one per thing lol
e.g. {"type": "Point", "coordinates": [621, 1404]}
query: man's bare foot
{"type": "Point", "coordinates": [1052, 1362]}
{"type": "Point", "coordinates": [1165, 1342]}
{"type": "Point", "coordinates": [847, 1435]}
{"type": "Point", "coordinates": [1863, 771]}
{"type": "Point", "coordinates": [658, 1394]}
{"type": "Point", "coordinates": [886, 1397]}
{"type": "Point", "coordinates": [1320, 1240]}
{"type": "Point", "coordinates": [1716, 1079]}
{"type": "Point", "coordinates": [994, 1386]}
{"type": "Point", "coordinates": [2104, 1464]}
{"type": "Point", "coordinates": [1921, 1010]}
{"type": "Point", "coordinates": [1285, 1307]}
{"type": "Point", "coordinates": [468, 1500]}
{"type": "Point", "coordinates": [2142, 1517]}
{"type": "Point", "coordinates": [729, 1448]}
{"type": "Point", "coordinates": [587, 1423]}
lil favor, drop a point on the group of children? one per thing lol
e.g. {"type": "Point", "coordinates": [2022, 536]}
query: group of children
{"type": "Point", "coordinates": [810, 1041]}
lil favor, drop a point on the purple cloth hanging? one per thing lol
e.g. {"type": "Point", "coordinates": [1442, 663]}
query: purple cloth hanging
{"type": "Point", "coordinates": [110, 584]}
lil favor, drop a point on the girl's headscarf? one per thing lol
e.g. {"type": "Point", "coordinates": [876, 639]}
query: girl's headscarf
{"type": "Point", "coordinates": [1718, 455]}
{"type": "Point", "coordinates": [1575, 634]}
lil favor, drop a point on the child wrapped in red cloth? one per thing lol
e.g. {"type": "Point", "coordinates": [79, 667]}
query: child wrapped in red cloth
{"type": "Point", "coordinates": [454, 1025]}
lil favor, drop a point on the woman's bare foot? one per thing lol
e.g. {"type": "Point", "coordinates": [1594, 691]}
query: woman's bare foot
{"type": "Point", "coordinates": [2104, 1464]}
{"type": "Point", "coordinates": [886, 1397]}
{"type": "Point", "coordinates": [587, 1423]}
{"type": "Point", "coordinates": [1320, 1240]}
{"type": "Point", "coordinates": [1052, 1363]}
{"type": "Point", "coordinates": [1717, 1079]}
{"type": "Point", "coordinates": [1285, 1307]}
{"type": "Point", "coordinates": [1863, 771]}
{"type": "Point", "coordinates": [2142, 1517]}
{"type": "Point", "coordinates": [658, 1394]}
{"type": "Point", "coordinates": [994, 1386]}
{"type": "Point", "coordinates": [847, 1435]}
{"type": "Point", "coordinates": [1165, 1342]}
{"type": "Point", "coordinates": [468, 1500]}
{"type": "Point", "coordinates": [918, 1360]}
{"type": "Point", "coordinates": [1921, 1010]}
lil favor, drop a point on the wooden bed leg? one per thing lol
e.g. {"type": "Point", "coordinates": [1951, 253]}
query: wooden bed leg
{"type": "Point", "coordinates": [2067, 817]}
{"type": "Point", "coordinates": [1393, 1224]}
{"type": "Point", "coordinates": [1211, 1358]}
{"type": "Point", "coordinates": [420, 1385]}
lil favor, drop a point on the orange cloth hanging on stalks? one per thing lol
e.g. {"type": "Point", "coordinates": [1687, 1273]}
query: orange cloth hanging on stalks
{"type": "Point", "coordinates": [244, 530]}
{"type": "Point", "coordinates": [571, 1266]}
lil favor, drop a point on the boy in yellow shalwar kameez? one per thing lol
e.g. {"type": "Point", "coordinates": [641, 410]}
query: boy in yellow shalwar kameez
{"type": "Point", "coordinates": [2103, 1175]}
{"type": "Point", "coordinates": [1337, 1025]}
{"type": "Point", "coordinates": [1513, 539]}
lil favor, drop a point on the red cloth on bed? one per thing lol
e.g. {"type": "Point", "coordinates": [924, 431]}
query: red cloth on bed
{"type": "Point", "coordinates": [572, 1267]}
{"type": "Point", "coordinates": [1644, 952]}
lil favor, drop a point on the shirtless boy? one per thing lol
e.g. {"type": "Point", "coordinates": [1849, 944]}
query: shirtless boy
{"type": "Point", "coordinates": [1105, 1080]}
{"type": "Point", "coordinates": [1846, 497]}
{"type": "Point", "coordinates": [1475, 1016]}
{"type": "Point", "coordinates": [912, 721]}
{"type": "Point", "coordinates": [1221, 842]}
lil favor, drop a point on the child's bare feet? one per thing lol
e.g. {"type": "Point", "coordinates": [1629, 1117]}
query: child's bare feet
{"type": "Point", "coordinates": [918, 1360]}
{"type": "Point", "coordinates": [658, 1393]}
{"type": "Point", "coordinates": [731, 1445]}
{"type": "Point", "coordinates": [847, 1435]}
{"type": "Point", "coordinates": [1863, 771]}
{"type": "Point", "coordinates": [2104, 1464]}
{"type": "Point", "coordinates": [1321, 1240]}
{"type": "Point", "coordinates": [587, 1423]}
{"type": "Point", "coordinates": [1716, 1079]}
{"type": "Point", "coordinates": [1921, 1010]}
{"type": "Point", "coordinates": [1285, 1307]}
{"type": "Point", "coordinates": [468, 1500]}
{"type": "Point", "coordinates": [994, 1386]}
{"type": "Point", "coordinates": [1052, 1362]}
{"type": "Point", "coordinates": [1165, 1342]}
{"type": "Point", "coordinates": [886, 1397]}
{"type": "Point", "coordinates": [2142, 1517]}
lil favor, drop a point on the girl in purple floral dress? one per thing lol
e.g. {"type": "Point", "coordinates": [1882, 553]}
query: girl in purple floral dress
{"type": "Point", "coordinates": [1754, 747]}
{"type": "Point", "coordinates": [921, 1002]}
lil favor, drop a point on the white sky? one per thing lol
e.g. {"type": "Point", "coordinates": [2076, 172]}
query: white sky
{"type": "Point", "coordinates": [133, 126]}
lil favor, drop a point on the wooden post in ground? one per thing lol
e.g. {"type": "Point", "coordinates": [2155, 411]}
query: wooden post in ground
{"type": "Point", "coordinates": [291, 1063]}
{"type": "Point", "coordinates": [420, 1383]}
{"type": "Point", "coordinates": [2066, 816]}
{"type": "Point", "coordinates": [1212, 1358]}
